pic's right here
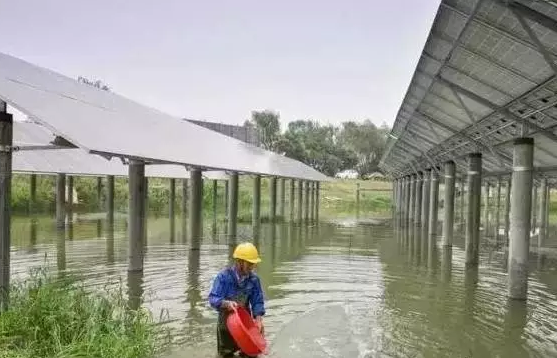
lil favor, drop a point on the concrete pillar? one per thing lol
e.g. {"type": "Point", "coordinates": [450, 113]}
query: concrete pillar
{"type": "Point", "coordinates": [486, 208]}
{"type": "Point", "coordinates": [543, 213]}
{"type": "Point", "coordinates": [474, 207]}
{"type": "Point", "coordinates": [521, 209]}
{"type": "Point", "coordinates": [508, 209]}
{"type": "Point", "coordinates": [534, 206]}
{"type": "Point", "coordinates": [292, 200]}
{"type": "Point", "coordinates": [6, 140]}
{"type": "Point", "coordinates": [433, 207]}
{"type": "Point", "coordinates": [462, 197]}
{"type": "Point", "coordinates": [110, 199]}
{"type": "Point", "coordinates": [185, 195]}
{"type": "Point", "coordinates": [412, 199]}
{"type": "Point", "coordinates": [99, 192]}
{"type": "Point", "coordinates": [273, 199]}
{"type": "Point", "coordinates": [357, 199]}
{"type": "Point", "coordinates": [426, 188]}
{"type": "Point", "coordinates": [300, 197]}
{"type": "Point", "coordinates": [448, 220]}
{"type": "Point", "coordinates": [70, 200]}
{"type": "Point", "coordinates": [60, 200]}
{"type": "Point", "coordinates": [407, 191]}
{"type": "Point", "coordinates": [418, 201]}
{"type": "Point", "coordinates": [196, 205]}
{"type": "Point", "coordinates": [172, 205]}
{"type": "Point", "coordinates": [136, 215]}
{"type": "Point", "coordinates": [312, 201]}
{"type": "Point", "coordinates": [146, 210]}
{"type": "Point", "coordinates": [400, 200]}
{"type": "Point", "coordinates": [306, 202]}
{"type": "Point", "coordinates": [215, 197]}
{"type": "Point", "coordinates": [282, 198]}
{"type": "Point", "coordinates": [226, 199]}
{"type": "Point", "coordinates": [256, 213]}
{"type": "Point", "coordinates": [33, 193]}
{"type": "Point", "coordinates": [498, 210]}
{"type": "Point", "coordinates": [233, 205]}
{"type": "Point", "coordinates": [317, 200]}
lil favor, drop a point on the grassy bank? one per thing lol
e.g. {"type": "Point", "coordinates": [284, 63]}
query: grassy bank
{"type": "Point", "coordinates": [337, 196]}
{"type": "Point", "coordinates": [49, 318]}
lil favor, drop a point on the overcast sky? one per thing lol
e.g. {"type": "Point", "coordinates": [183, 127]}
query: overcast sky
{"type": "Point", "coordinates": [326, 60]}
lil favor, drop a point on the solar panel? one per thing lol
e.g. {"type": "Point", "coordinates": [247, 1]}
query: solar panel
{"type": "Point", "coordinates": [77, 161]}
{"type": "Point", "coordinates": [104, 122]}
{"type": "Point", "coordinates": [497, 73]}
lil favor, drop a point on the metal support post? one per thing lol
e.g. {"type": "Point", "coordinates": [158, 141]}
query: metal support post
{"type": "Point", "coordinates": [418, 201]}
{"type": "Point", "coordinates": [433, 207]}
{"type": "Point", "coordinates": [196, 206]}
{"type": "Point", "coordinates": [136, 215]}
{"type": "Point", "coordinates": [543, 214]}
{"type": "Point", "coordinates": [6, 142]}
{"type": "Point", "coordinates": [256, 213]}
{"type": "Point", "coordinates": [448, 221]}
{"type": "Point", "coordinates": [60, 200]}
{"type": "Point", "coordinates": [110, 199]}
{"type": "Point", "coordinates": [521, 211]}
{"type": "Point", "coordinates": [233, 206]}
{"type": "Point", "coordinates": [474, 207]}
{"type": "Point", "coordinates": [273, 199]}
{"type": "Point", "coordinates": [292, 200]}
{"type": "Point", "coordinates": [282, 197]}
{"type": "Point", "coordinates": [426, 188]}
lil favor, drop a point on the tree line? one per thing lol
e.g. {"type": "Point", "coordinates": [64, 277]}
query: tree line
{"type": "Point", "coordinates": [327, 148]}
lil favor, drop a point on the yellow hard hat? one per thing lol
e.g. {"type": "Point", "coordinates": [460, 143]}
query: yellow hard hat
{"type": "Point", "coordinates": [248, 252]}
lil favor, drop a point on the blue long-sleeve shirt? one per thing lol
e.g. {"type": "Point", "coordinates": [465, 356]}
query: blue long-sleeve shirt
{"type": "Point", "coordinates": [228, 285]}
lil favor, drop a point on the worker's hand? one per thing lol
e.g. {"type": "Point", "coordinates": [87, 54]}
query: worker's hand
{"type": "Point", "coordinates": [259, 323]}
{"type": "Point", "coordinates": [229, 305]}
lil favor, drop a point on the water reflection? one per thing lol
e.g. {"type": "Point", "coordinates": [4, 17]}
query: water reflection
{"type": "Point", "coordinates": [446, 263]}
{"type": "Point", "coordinates": [402, 296]}
{"type": "Point", "coordinates": [110, 243]}
{"type": "Point", "coordinates": [61, 251]}
{"type": "Point", "coordinates": [135, 289]}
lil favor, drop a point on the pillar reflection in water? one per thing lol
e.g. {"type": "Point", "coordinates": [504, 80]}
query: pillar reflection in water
{"type": "Point", "coordinates": [193, 293]}
{"type": "Point", "coordinates": [516, 317]}
{"type": "Point", "coordinates": [33, 234]}
{"type": "Point", "coordinates": [110, 242]}
{"type": "Point", "coordinates": [417, 243]}
{"type": "Point", "coordinates": [61, 251]}
{"type": "Point", "coordinates": [135, 289]}
{"type": "Point", "coordinates": [99, 227]}
{"type": "Point", "coordinates": [273, 229]}
{"type": "Point", "coordinates": [446, 263]}
{"type": "Point", "coordinates": [470, 288]}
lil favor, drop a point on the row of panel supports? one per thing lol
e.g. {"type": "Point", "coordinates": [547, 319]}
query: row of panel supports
{"type": "Point", "coordinates": [192, 195]}
{"type": "Point", "coordinates": [416, 199]}
{"type": "Point", "coordinates": [137, 204]}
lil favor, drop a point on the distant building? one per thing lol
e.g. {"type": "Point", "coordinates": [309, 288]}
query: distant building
{"type": "Point", "coordinates": [244, 133]}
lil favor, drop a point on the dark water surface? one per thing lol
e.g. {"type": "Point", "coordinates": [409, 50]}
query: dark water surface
{"type": "Point", "coordinates": [400, 297]}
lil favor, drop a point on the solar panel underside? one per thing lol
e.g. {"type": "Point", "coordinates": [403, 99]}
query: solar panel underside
{"type": "Point", "coordinates": [104, 122]}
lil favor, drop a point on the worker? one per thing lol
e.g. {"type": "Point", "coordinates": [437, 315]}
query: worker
{"type": "Point", "coordinates": [237, 286]}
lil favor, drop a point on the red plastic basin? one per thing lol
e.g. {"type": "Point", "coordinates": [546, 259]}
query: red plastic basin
{"type": "Point", "coordinates": [245, 333]}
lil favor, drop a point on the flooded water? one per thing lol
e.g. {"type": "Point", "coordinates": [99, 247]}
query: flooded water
{"type": "Point", "coordinates": [337, 289]}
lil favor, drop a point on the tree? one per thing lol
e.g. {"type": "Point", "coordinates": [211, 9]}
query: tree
{"type": "Point", "coordinates": [316, 146]}
{"type": "Point", "coordinates": [268, 128]}
{"type": "Point", "coordinates": [367, 142]}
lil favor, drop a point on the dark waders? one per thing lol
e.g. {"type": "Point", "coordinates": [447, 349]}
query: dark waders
{"type": "Point", "coordinates": [225, 343]}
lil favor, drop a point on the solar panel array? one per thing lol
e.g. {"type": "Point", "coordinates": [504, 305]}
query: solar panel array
{"type": "Point", "coordinates": [77, 161]}
{"type": "Point", "coordinates": [486, 75]}
{"type": "Point", "coordinates": [106, 123]}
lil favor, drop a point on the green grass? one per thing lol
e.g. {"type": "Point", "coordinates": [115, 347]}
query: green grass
{"type": "Point", "coordinates": [53, 318]}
